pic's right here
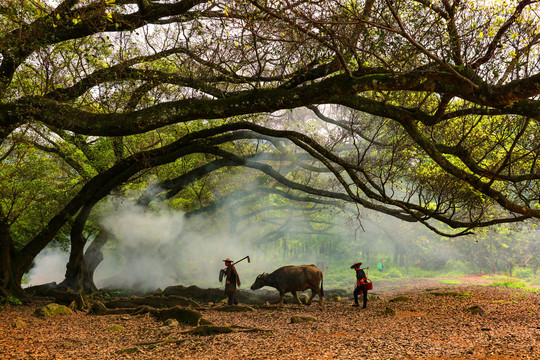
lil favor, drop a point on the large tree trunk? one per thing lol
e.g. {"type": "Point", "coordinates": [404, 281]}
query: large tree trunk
{"type": "Point", "coordinates": [94, 255]}
{"type": "Point", "coordinates": [10, 281]}
{"type": "Point", "coordinates": [5, 254]}
{"type": "Point", "coordinates": [76, 268]}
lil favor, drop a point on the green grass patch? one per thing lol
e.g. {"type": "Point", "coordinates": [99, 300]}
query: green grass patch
{"type": "Point", "coordinates": [512, 283]}
{"type": "Point", "coordinates": [450, 282]}
{"type": "Point", "coordinates": [465, 295]}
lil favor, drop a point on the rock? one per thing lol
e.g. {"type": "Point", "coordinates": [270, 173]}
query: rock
{"type": "Point", "coordinates": [115, 328]}
{"type": "Point", "coordinates": [334, 297]}
{"type": "Point", "coordinates": [302, 319]}
{"type": "Point", "coordinates": [128, 350]}
{"type": "Point", "coordinates": [477, 309]}
{"type": "Point", "coordinates": [185, 316]}
{"type": "Point", "coordinates": [203, 321]}
{"type": "Point", "coordinates": [303, 298]}
{"type": "Point", "coordinates": [18, 323]}
{"type": "Point", "coordinates": [389, 311]}
{"type": "Point", "coordinates": [171, 323]}
{"type": "Point", "coordinates": [162, 330]}
{"type": "Point", "coordinates": [157, 292]}
{"type": "Point", "coordinates": [52, 310]}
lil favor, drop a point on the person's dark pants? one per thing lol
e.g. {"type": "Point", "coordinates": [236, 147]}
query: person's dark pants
{"type": "Point", "coordinates": [359, 289]}
{"type": "Point", "coordinates": [232, 300]}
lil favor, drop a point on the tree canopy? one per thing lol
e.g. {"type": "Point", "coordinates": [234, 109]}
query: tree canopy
{"type": "Point", "coordinates": [423, 110]}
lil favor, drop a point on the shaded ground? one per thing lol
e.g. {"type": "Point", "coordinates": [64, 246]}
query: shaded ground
{"type": "Point", "coordinates": [430, 322]}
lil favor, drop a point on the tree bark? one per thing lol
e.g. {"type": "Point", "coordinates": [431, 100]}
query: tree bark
{"type": "Point", "coordinates": [76, 268]}
{"type": "Point", "coordinates": [94, 255]}
{"type": "Point", "coordinates": [5, 254]}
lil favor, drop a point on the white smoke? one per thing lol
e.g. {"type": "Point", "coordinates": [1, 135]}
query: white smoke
{"type": "Point", "coordinates": [49, 266]}
{"type": "Point", "coordinates": [157, 248]}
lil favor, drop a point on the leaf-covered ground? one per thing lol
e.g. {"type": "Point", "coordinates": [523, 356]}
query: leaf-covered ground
{"type": "Point", "coordinates": [430, 321]}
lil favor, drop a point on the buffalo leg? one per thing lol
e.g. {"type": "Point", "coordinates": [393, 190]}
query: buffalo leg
{"type": "Point", "coordinates": [296, 297]}
{"type": "Point", "coordinates": [281, 296]}
{"type": "Point", "coordinates": [311, 297]}
{"type": "Point", "coordinates": [318, 292]}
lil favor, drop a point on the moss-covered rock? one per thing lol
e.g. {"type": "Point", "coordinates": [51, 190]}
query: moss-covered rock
{"type": "Point", "coordinates": [333, 297]}
{"type": "Point", "coordinates": [389, 311]}
{"type": "Point", "coordinates": [171, 323]}
{"type": "Point", "coordinates": [477, 309]}
{"type": "Point", "coordinates": [18, 323]}
{"type": "Point", "coordinates": [52, 310]}
{"type": "Point", "coordinates": [302, 319]}
{"type": "Point", "coordinates": [131, 350]}
{"type": "Point", "coordinates": [116, 328]}
{"type": "Point", "coordinates": [184, 316]}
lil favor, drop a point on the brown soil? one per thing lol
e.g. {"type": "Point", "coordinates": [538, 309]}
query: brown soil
{"type": "Point", "coordinates": [431, 323]}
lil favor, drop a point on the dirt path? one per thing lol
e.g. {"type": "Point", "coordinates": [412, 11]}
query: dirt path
{"type": "Point", "coordinates": [431, 322]}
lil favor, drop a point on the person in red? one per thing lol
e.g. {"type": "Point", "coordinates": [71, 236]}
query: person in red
{"type": "Point", "coordinates": [231, 280]}
{"type": "Point", "coordinates": [361, 279]}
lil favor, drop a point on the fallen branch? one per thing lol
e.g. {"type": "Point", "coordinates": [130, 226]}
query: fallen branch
{"type": "Point", "coordinates": [161, 342]}
{"type": "Point", "coordinates": [185, 316]}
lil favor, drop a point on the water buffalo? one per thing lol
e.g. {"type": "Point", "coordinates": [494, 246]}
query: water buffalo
{"type": "Point", "coordinates": [292, 279]}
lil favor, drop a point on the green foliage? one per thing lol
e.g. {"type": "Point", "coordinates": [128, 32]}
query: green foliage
{"type": "Point", "coordinates": [535, 280]}
{"type": "Point", "coordinates": [522, 272]}
{"type": "Point", "coordinates": [10, 300]}
{"type": "Point", "coordinates": [392, 274]}
{"type": "Point", "coordinates": [509, 283]}
{"type": "Point", "coordinates": [457, 268]}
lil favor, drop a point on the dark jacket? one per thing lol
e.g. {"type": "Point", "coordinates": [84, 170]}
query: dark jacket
{"type": "Point", "coordinates": [231, 280]}
{"type": "Point", "coordinates": [360, 276]}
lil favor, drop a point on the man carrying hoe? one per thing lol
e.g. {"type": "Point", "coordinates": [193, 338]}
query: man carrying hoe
{"type": "Point", "coordinates": [231, 280]}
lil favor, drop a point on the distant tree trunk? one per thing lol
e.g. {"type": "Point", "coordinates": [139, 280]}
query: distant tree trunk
{"type": "Point", "coordinates": [77, 268]}
{"type": "Point", "coordinates": [94, 255]}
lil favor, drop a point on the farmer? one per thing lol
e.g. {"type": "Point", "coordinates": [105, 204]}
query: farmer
{"type": "Point", "coordinates": [231, 280]}
{"type": "Point", "coordinates": [361, 279]}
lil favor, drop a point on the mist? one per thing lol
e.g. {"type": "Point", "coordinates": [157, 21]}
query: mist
{"type": "Point", "coordinates": [49, 266]}
{"type": "Point", "coordinates": [161, 247]}
{"type": "Point", "coordinates": [151, 248]}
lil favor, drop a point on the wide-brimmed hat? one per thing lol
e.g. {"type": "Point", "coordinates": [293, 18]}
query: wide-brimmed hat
{"type": "Point", "coordinates": [227, 260]}
{"type": "Point", "coordinates": [355, 265]}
